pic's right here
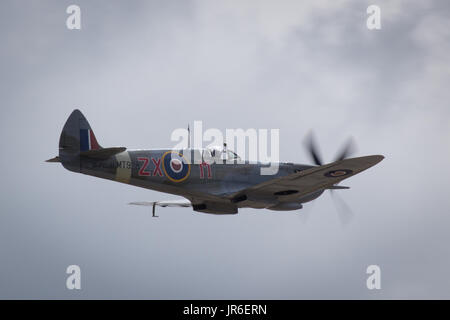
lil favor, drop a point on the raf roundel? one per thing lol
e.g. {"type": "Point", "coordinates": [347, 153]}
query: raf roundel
{"type": "Point", "coordinates": [338, 173]}
{"type": "Point", "coordinates": [175, 166]}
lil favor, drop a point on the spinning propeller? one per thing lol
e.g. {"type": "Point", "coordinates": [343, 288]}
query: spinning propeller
{"type": "Point", "coordinates": [344, 211]}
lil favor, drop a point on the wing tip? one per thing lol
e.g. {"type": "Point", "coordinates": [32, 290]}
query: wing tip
{"type": "Point", "coordinates": [141, 203]}
{"type": "Point", "coordinates": [378, 158]}
{"type": "Point", "coordinates": [374, 159]}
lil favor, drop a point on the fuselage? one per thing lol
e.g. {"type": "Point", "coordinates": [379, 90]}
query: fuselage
{"type": "Point", "coordinates": [187, 173]}
{"type": "Point", "coordinates": [213, 179]}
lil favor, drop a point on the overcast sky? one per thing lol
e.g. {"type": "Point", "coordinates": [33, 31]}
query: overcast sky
{"type": "Point", "coordinates": [140, 69]}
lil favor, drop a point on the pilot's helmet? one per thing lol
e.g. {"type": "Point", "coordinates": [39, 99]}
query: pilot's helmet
{"type": "Point", "coordinates": [216, 151]}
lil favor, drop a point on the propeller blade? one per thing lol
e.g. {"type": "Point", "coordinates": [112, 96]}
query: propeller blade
{"type": "Point", "coordinates": [345, 213]}
{"type": "Point", "coordinates": [313, 151]}
{"type": "Point", "coordinates": [348, 149]}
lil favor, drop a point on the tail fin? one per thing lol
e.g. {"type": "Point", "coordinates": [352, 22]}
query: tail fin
{"type": "Point", "coordinates": [76, 137]}
{"type": "Point", "coordinates": [78, 141]}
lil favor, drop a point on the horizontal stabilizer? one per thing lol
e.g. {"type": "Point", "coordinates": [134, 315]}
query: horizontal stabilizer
{"type": "Point", "coordinates": [103, 153]}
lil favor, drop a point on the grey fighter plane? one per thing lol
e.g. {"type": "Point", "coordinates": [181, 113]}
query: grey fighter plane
{"type": "Point", "coordinates": [211, 180]}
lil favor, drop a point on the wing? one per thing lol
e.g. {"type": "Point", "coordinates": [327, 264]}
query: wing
{"type": "Point", "coordinates": [168, 203]}
{"type": "Point", "coordinates": [303, 183]}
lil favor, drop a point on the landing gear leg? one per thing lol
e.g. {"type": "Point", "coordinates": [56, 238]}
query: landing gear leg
{"type": "Point", "coordinates": [153, 211]}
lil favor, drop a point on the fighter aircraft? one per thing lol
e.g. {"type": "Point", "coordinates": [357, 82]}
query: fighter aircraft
{"type": "Point", "coordinates": [211, 180]}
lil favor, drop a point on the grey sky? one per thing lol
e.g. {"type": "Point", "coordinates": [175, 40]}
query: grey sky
{"type": "Point", "coordinates": [139, 70]}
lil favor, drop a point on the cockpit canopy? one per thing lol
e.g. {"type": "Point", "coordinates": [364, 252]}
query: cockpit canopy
{"type": "Point", "coordinates": [219, 153]}
{"type": "Point", "coordinates": [209, 155]}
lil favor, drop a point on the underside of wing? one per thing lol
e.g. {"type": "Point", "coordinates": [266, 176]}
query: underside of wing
{"type": "Point", "coordinates": [302, 184]}
{"type": "Point", "coordinates": [199, 205]}
{"type": "Point", "coordinates": [165, 203]}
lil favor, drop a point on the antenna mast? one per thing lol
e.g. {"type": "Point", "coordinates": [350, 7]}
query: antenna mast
{"type": "Point", "coordinates": [189, 137]}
